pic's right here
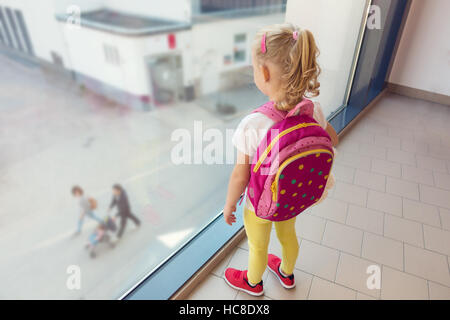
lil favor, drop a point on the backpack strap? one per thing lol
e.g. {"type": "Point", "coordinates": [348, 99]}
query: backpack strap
{"type": "Point", "coordinates": [305, 107]}
{"type": "Point", "coordinates": [270, 111]}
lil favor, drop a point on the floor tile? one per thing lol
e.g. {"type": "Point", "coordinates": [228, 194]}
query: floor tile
{"type": "Point", "coordinates": [418, 175]}
{"type": "Point", "coordinates": [439, 151]}
{"type": "Point", "coordinates": [362, 296]}
{"type": "Point", "coordinates": [397, 285]}
{"type": "Point", "coordinates": [427, 264]}
{"type": "Point", "coordinates": [348, 145]}
{"type": "Point", "coordinates": [414, 146]}
{"type": "Point", "coordinates": [383, 250]}
{"type": "Point", "coordinates": [274, 290]}
{"type": "Point", "coordinates": [275, 245]}
{"type": "Point", "coordinates": [435, 196]}
{"type": "Point", "coordinates": [421, 212]}
{"type": "Point", "coordinates": [325, 290]}
{"type": "Point", "coordinates": [401, 133]}
{"type": "Point", "coordinates": [350, 193]}
{"type": "Point", "coordinates": [310, 227]}
{"type": "Point", "coordinates": [386, 141]}
{"type": "Point", "coordinates": [430, 163]}
{"type": "Point", "coordinates": [220, 268]}
{"type": "Point", "coordinates": [243, 244]}
{"type": "Point", "coordinates": [437, 239]}
{"type": "Point", "coordinates": [318, 260]}
{"type": "Point", "coordinates": [388, 168]}
{"type": "Point", "coordinates": [445, 218]}
{"type": "Point", "coordinates": [360, 136]}
{"type": "Point", "coordinates": [403, 230]}
{"type": "Point", "coordinates": [438, 292]}
{"type": "Point", "coordinates": [331, 209]}
{"type": "Point", "coordinates": [353, 160]}
{"type": "Point", "coordinates": [352, 273]}
{"type": "Point", "coordinates": [370, 180]}
{"type": "Point", "coordinates": [402, 188]}
{"type": "Point", "coordinates": [213, 288]}
{"type": "Point", "coordinates": [342, 237]}
{"type": "Point", "coordinates": [403, 157]}
{"type": "Point", "coordinates": [366, 219]}
{"type": "Point", "coordinates": [442, 180]}
{"type": "Point", "coordinates": [372, 151]}
{"type": "Point", "coordinates": [384, 202]}
{"type": "Point", "coordinates": [343, 173]}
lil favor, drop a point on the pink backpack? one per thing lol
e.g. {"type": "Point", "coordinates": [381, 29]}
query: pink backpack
{"type": "Point", "coordinates": [291, 166]}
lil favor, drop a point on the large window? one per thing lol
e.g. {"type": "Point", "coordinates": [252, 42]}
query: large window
{"type": "Point", "coordinates": [98, 93]}
{"type": "Point", "coordinates": [142, 96]}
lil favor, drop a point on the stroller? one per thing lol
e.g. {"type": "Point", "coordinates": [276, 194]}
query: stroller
{"type": "Point", "coordinates": [102, 233]}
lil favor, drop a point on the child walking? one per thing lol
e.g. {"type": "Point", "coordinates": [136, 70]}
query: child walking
{"type": "Point", "coordinates": [285, 69]}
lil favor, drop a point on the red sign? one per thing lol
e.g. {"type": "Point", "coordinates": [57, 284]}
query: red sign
{"type": "Point", "coordinates": [172, 41]}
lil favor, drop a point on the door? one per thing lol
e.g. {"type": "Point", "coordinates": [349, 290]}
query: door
{"type": "Point", "coordinates": [166, 79]}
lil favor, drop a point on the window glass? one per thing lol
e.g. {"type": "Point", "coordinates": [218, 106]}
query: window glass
{"type": "Point", "coordinates": [336, 27]}
{"type": "Point", "coordinates": [130, 94]}
{"type": "Point", "coordinates": [130, 105]}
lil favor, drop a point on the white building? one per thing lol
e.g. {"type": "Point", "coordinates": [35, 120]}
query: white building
{"type": "Point", "coordinates": [140, 53]}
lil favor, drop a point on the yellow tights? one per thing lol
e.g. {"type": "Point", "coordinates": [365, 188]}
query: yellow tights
{"type": "Point", "coordinates": [258, 234]}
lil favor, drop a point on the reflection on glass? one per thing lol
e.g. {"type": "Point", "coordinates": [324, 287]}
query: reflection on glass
{"type": "Point", "coordinates": [336, 27]}
{"type": "Point", "coordinates": [96, 94]}
{"type": "Point", "coordinates": [91, 93]}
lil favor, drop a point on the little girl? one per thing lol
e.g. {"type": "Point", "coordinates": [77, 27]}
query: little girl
{"type": "Point", "coordinates": [285, 70]}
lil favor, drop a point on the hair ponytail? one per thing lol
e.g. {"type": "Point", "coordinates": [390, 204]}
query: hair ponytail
{"type": "Point", "coordinates": [297, 58]}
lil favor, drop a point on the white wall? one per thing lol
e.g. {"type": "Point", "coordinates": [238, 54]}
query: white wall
{"type": "Point", "coordinates": [42, 27]}
{"type": "Point", "coordinates": [87, 55]}
{"type": "Point", "coordinates": [211, 41]}
{"type": "Point", "coordinates": [423, 56]}
{"type": "Point", "coordinates": [335, 25]}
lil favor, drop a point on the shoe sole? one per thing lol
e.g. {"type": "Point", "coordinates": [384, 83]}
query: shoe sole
{"type": "Point", "coordinates": [281, 281]}
{"type": "Point", "coordinates": [243, 290]}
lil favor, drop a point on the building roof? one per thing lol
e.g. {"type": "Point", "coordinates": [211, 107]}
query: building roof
{"type": "Point", "coordinates": [126, 24]}
{"type": "Point", "coordinates": [209, 14]}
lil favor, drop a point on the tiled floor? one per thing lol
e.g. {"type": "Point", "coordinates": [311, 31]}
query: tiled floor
{"type": "Point", "coordinates": [390, 208]}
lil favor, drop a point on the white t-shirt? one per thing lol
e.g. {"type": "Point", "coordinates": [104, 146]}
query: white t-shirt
{"type": "Point", "coordinates": [254, 127]}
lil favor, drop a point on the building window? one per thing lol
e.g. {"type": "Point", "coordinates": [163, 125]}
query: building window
{"type": "Point", "coordinates": [111, 54]}
{"type": "Point", "coordinates": [24, 31]}
{"type": "Point", "coordinates": [240, 48]}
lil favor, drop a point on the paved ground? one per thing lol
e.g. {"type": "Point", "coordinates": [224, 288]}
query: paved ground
{"type": "Point", "coordinates": [390, 208]}
{"type": "Point", "coordinates": [52, 136]}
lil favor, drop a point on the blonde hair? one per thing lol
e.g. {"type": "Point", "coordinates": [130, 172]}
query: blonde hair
{"type": "Point", "coordinates": [295, 58]}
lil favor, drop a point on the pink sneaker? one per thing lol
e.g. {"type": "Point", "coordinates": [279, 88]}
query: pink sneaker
{"type": "Point", "coordinates": [274, 264]}
{"type": "Point", "coordinates": [237, 279]}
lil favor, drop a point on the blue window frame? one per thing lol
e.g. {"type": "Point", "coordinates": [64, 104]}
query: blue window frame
{"type": "Point", "coordinates": [171, 274]}
{"type": "Point", "coordinates": [370, 81]}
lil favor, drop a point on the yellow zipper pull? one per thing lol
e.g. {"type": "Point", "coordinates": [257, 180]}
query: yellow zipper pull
{"type": "Point", "coordinates": [274, 192]}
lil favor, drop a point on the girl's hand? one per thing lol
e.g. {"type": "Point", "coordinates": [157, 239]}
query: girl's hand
{"type": "Point", "coordinates": [230, 218]}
